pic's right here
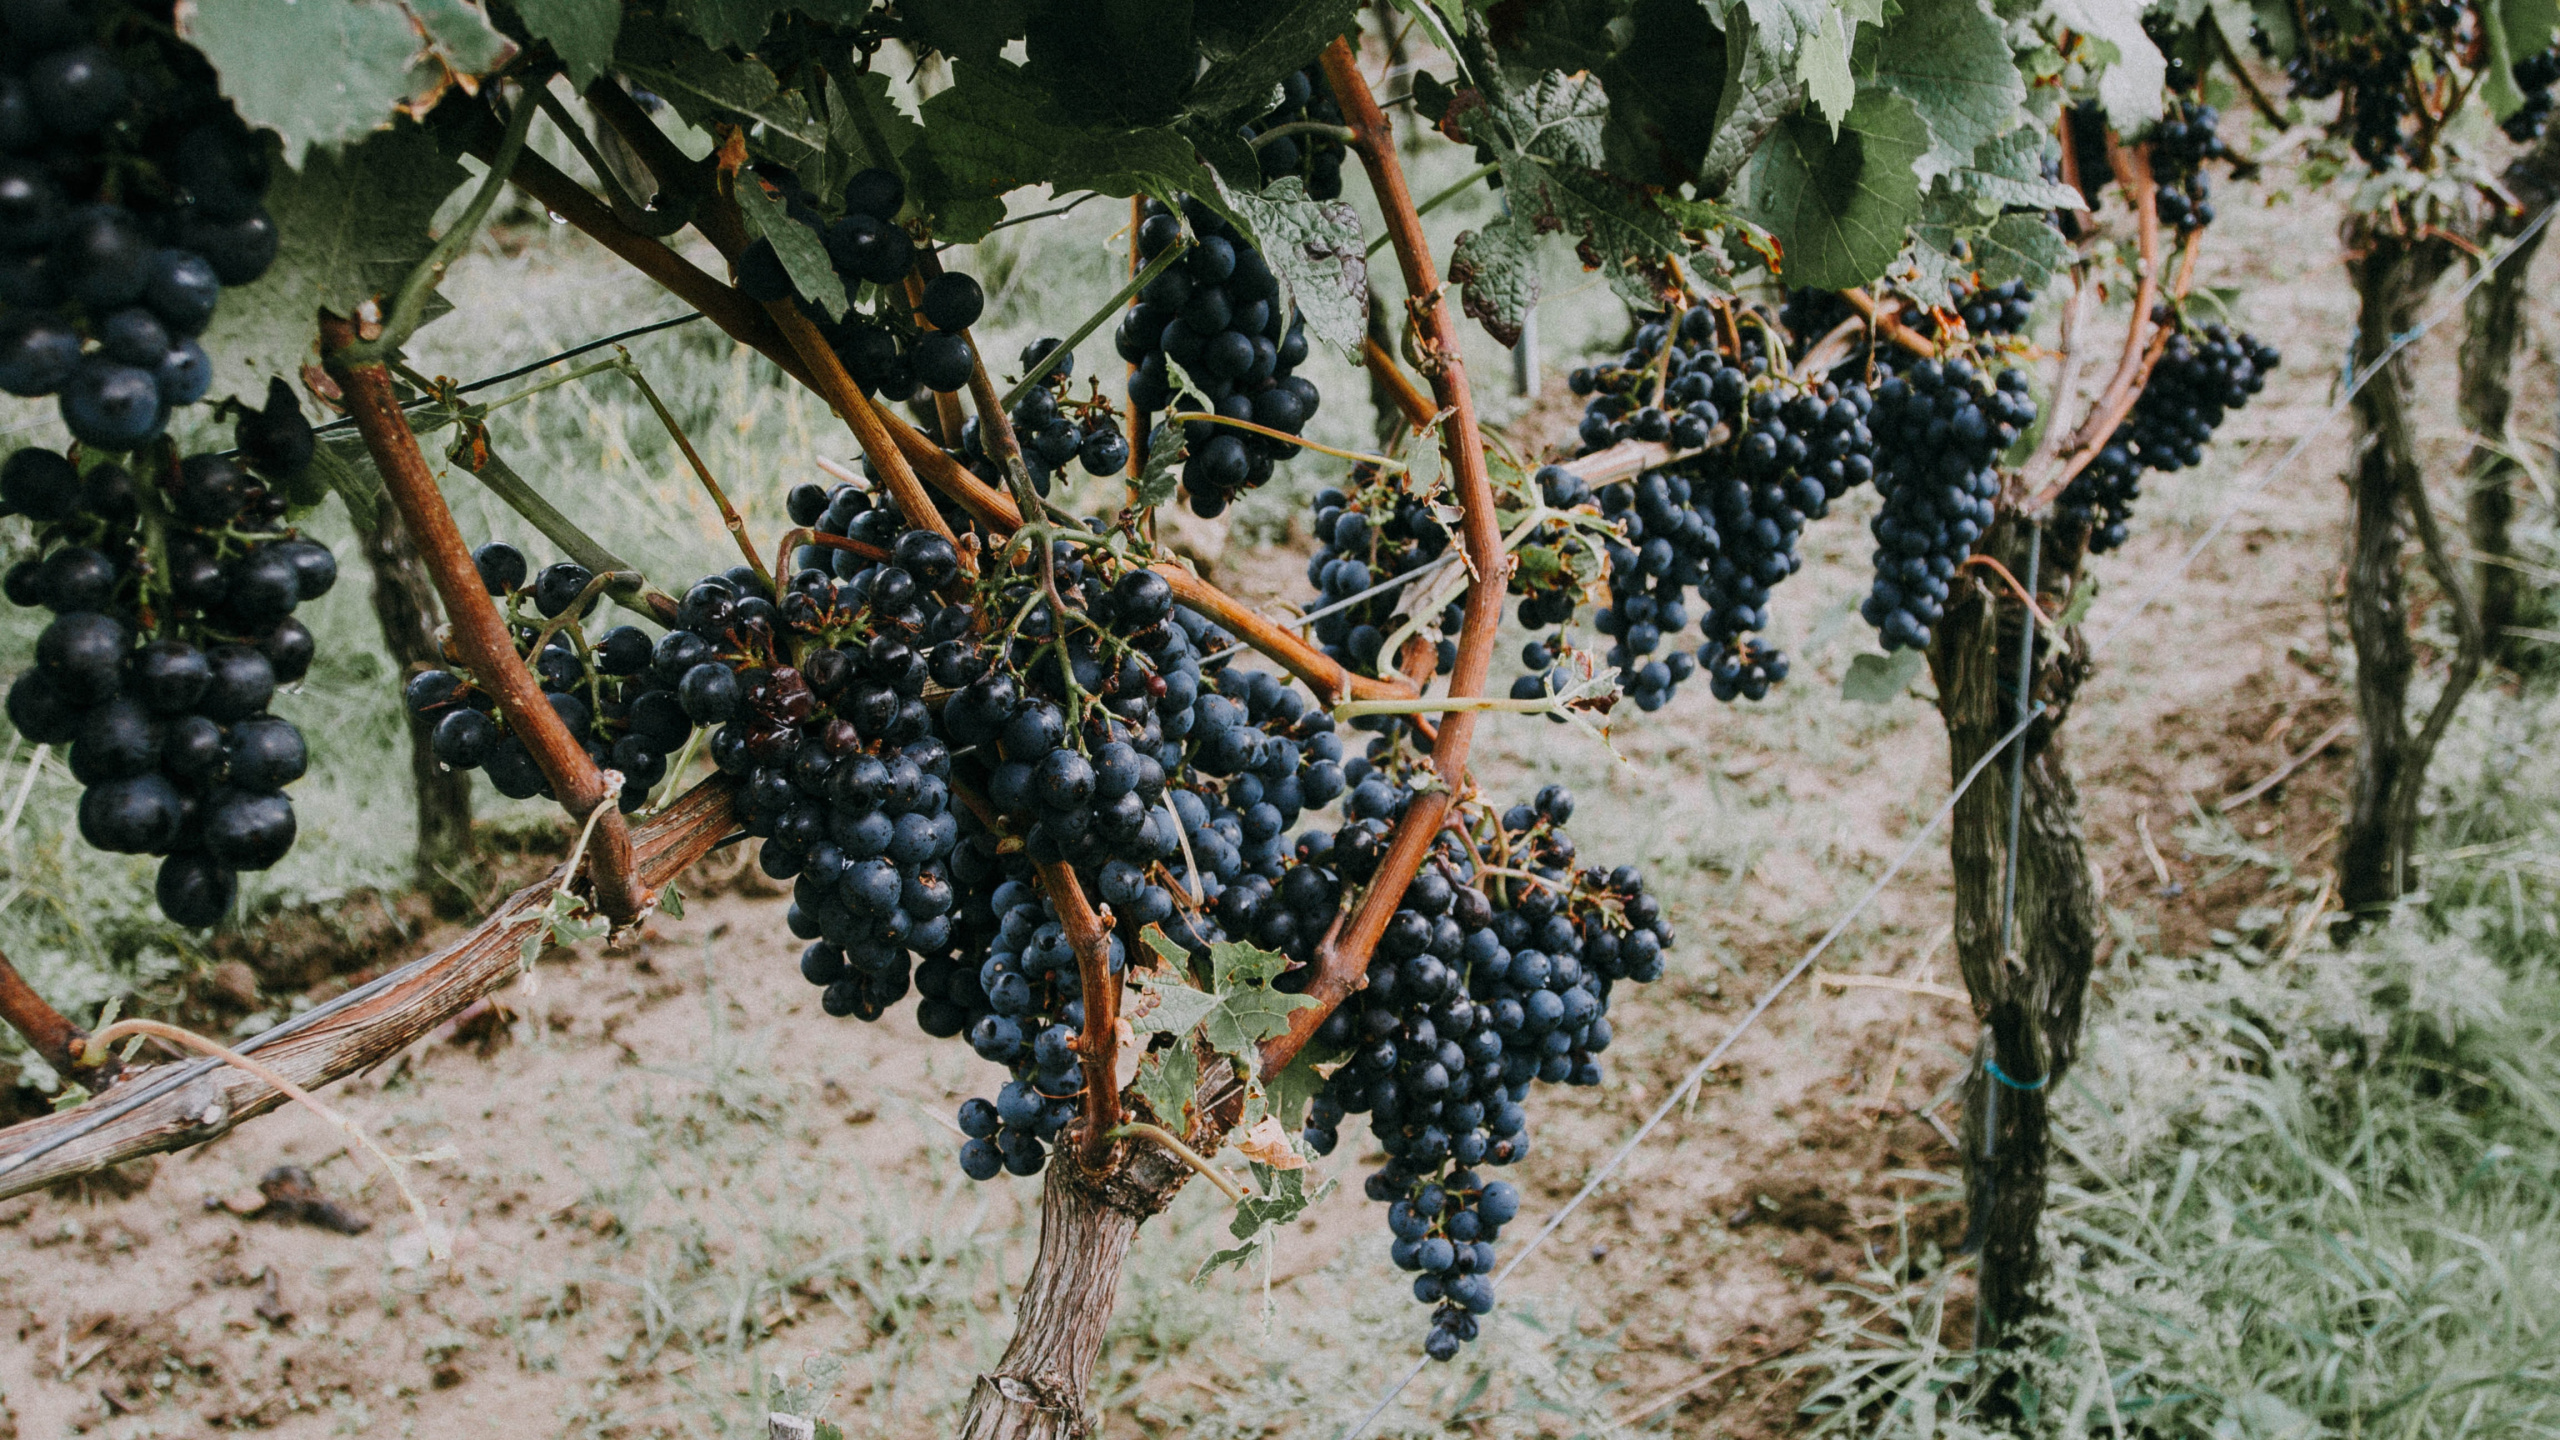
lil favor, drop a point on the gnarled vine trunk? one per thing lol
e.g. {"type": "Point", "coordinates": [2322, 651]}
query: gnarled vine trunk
{"type": "Point", "coordinates": [404, 603]}
{"type": "Point", "coordinates": [2391, 273]}
{"type": "Point", "coordinates": [2494, 325]}
{"type": "Point", "coordinates": [2028, 995]}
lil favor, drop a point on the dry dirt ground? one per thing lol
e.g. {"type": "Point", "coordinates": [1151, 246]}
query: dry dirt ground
{"type": "Point", "coordinates": [682, 1193]}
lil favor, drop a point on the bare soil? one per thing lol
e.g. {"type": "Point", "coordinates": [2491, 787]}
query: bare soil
{"type": "Point", "coordinates": [676, 1184]}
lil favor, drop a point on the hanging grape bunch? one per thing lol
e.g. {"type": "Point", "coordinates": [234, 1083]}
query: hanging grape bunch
{"type": "Point", "coordinates": [2535, 74]}
{"type": "Point", "coordinates": [1217, 313]}
{"type": "Point", "coordinates": [159, 679]}
{"type": "Point", "coordinates": [2375, 60]}
{"type": "Point", "coordinates": [904, 341]}
{"type": "Point", "coordinates": [1366, 538]}
{"type": "Point", "coordinates": [616, 701]}
{"type": "Point", "coordinates": [1940, 429]}
{"type": "Point", "coordinates": [2181, 143]}
{"type": "Point", "coordinates": [1726, 521]}
{"type": "Point", "coordinates": [1481, 985]}
{"type": "Point", "coordinates": [2003, 309]}
{"type": "Point", "coordinates": [1054, 428]}
{"type": "Point", "coordinates": [2198, 380]}
{"type": "Point", "coordinates": [1311, 155]}
{"type": "Point", "coordinates": [130, 196]}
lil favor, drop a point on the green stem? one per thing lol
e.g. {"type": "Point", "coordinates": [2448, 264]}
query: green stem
{"type": "Point", "coordinates": [1093, 322]}
{"type": "Point", "coordinates": [1304, 127]}
{"type": "Point", "coordinates": [729, 516]}
{"type": "Point", "coordinates": [511, 488]}
{"type": "Point", "coordinates": [409, 307]}
{"type": "Point", "coordinates": [1184, 1153]}
{"type": "Point", "coordinates": [1385, 465]}
{"type": "Point", "coordinates": [1455, 188]}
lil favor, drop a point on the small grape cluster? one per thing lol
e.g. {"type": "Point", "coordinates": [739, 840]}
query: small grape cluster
{"type": "Point", "coordinates": [2003, 309]}
{"type": "Point", "coordinates": [2372, 60]}
{"type": "Point", "coordinates": [886, 352]}
{"type": "Point", "coordinates": [2197, 381]}
{"type": "Point", "coordinates": [1481, 985]}
{"type": "Point", "coordinates": [1313, 156]}
{"type": "Point", "coordinates": [1940, 430]}
{"type": "Point", "coordinates": [2185, 139]}
{"type": "Point", "coordinates": [1218, 314]}
{"type": "Point", "coordinates": [1726, 521]}
{"type": "Point", "coordinates": [1054, 428]}
{"type": "Point", "coordinates": [617, 701]}
{"type": "Point", "coordinates": [159, 678]}
{"type": "Point", "coordinates": [130, 196]}
{"type": "Point", "coordinates": [2535, 74]}
{"type": "Point", "coordinates": [1366, 537]}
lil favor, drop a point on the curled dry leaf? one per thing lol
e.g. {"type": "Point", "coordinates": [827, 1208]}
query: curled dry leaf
{"type": "Point", "coordinates": [1268, 1143]}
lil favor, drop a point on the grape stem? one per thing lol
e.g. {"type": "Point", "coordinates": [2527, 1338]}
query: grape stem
{"type": "Point", "coordinates": [596, 585]}
{"type": "Point", "coordinates": [1302, 127]}
{"type": "Point", "coordinates": [1385, 465]}
{"type": "Point", "coordinates": [1183, 1153]}
{"type": "Point", "coordinates": [409, 304]}
{"type": "Point", "coordinates": [478, 632]}
{"type": "Point", "coordinates": [1447, 193]}
{"type": "Point", "coordinates": [729, 517]}
{"type": "Point", "coordinates": [1059, 352]}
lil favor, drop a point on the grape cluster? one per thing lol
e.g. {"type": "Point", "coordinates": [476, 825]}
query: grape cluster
{"type": "Point", "coordinates": [1480, 986]}
{"type": "Point", "coordinates": [1218, 315]}
{"type": "Point", "coordinates": [159, 678]}
{"type": "Point", "coordinates": [886, 352]}
{"type": "Point", "coordinates": [1054, 428]}
{"type": "Point", "coordinates": [2372, 59]}
{"type": "Point", "coordinates": [1366, 537]}
{"type": "Point", "coordinates": [1939, 433]}
{"type": "Point", "coordinates": [1726, 521]}
{"type": "Point", "coordinates": [2197, 381]}
{"type": "Point", "coordinates": [2186, 137]}
{"type": "Point", "coordinates": [2535, 74]}
{"type": "Point", "coordinates": [130, 195]}
{"type": "Point", "coordinates": [1315, 157]}
{"type": "Point", "coordinates": [2003, 309]}
{"type": "Point", "coordinates": [613, 695]}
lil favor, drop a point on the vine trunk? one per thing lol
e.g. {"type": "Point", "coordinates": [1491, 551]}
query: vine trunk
{"type": "Point", "coordinates": [2391, 273]}
{"type": "Point", "coordinates": [2027, 985]}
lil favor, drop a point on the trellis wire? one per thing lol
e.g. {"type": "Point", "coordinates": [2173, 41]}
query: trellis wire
{"type": "Point", "coordinates": [2142, 602]}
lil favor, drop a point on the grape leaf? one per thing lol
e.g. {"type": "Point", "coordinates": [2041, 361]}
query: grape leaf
{"type": "Point", "coordinates": [1179, 1007]}
{"type": "Point", "coordinates": [803, 254]}
{"type": "Point", "coordinates": [2009, 170]}
{"type": "Point", "coordinates": [1950, 59]}
{"type": "Point", "coordinates": [1246, 1010]}
{"type": "Point", "coordinates": [581, 32]}
{"type": "Point", "coordinates": [1129, 64]}
{"type": "Point", "coordinates": [1547, 139]}
{"type": "Point", "coordinates": [1823, 66]}
{"type": "Point", "coordinates": [1167, 1080]}
{"type": "Point", "coordinates": [707, 87]}
{"type": "Point", "coordinates": [972, 30]}
{"type": "Point", "coordinates": [1295, 1085]}
{"type": "Point", "coordinates": [460, 34]}
{"type": "Point", "coordinates": [2025, 248]}
{"type": "Point", "coordinates": [1316, 248]}
{"type": "Point", "coordinates": [1280, 38]}
{"type": "Point", "coordinates": [1880, 679]}
{"type": "Point", "coordinates": [320, 73]}
{"type": "Point", "coordinates": [1283, 1198]}
{"type": "Point", "coordinates": [1782, 24]}
{"type": "Point", "coordinates": [1839, 207]}
{"type": "Point", "coordinates": [1750, 105]}
{"type": "Point", "coordinates": [1496, 272]}
{"type": "Point", "coordinates": [2130, 86]}
{"type": "Point", "coordinates": [1163, 474]}
{"type": "Point", "coordinates": [726, 24]}
{"type": "Point", "coordinates": [986, 135]}
{"type": "Point", "coordinates": [351, 224]}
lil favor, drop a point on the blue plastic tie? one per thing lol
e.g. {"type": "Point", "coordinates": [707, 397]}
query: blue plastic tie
{"type": "Point", "coordinates": [1992, 1068]}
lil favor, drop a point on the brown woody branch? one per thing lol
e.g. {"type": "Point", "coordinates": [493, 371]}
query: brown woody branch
{"type": "Point", "coordinates": [348, 1041]}
{"type": "Point", "coordinates": [1888, 324]}
{"type": "Point", "coordinates": [837, 388]}
{"type": "Point", "coordinates": [479, 632]}
{"type": "Point", "coordinates": [1342, 965]}
{"type": "Point", "coordinates": [1417, 407]}
{"type": "Point", "coordinates": [1089, 935]}
{"type": "Point", "coordinates": [46, 1030]}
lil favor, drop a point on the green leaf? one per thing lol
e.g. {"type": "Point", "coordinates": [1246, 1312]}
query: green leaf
{"type": "Point", "coordinates": [802, 253]}
{"type": "Point", "coordinates": [1950, 59]}
{"type": "Point", "coordinates": [707, 87]}
{"type": "Point", "coordinates": [972, 30]}
{"type": "Point", "coordinates": [1317, 250]}
{"type": "Point", "coordinates": [317, 72]}
{"type": "Point", "coordinates": [1293, 1087]}
{"type": "Point", "coordinates": [1179, 1007]}
{"type": "Point", "coordinates": [1750, 106]}
{"type": "Point", "coordinates": [1276, 39]}
{"type": "Point", "coordinates": [1782, 25]}
{"type": "Point", "coordinates": [581, 32]}
{"type": "Point", "coordinates": [2009, 170]}
{"type": "Point", "coordinates": [2130, 86]}
{"type": "Point", "coordinates": [1840, 207]}
{"type": "Point", "coordinates": [1127, 64]}
{"type": "Point", "coordinates": [351, 225]}
{"type": "Point", "coordinates": [343, 466]}
{"type": "Point", "coordinates": [2514, 29]}
{"type": "Point", "coordinates": [1547, 138]}
{"type": "Point", "coordinates": [1823, 66]}
{"type": "Point", "coordinates": [1880, 679]}
{"type": "Point", "coordinates": [1168, 1080]}
{"type": "Point", "coordinates": [2083, 595]}
{"type": "Point", "coordinates": [460, 34]}
{"type": "Point", "coordinates": [727, 24]}
{"type": "Point", "coordinates": [2025, 248]}
{"type": "Point", "coordinates": [1283, 1198]}
{"type": "Point", "coordinates": [1243, 1009]}
{"type": "Point", "coordinates": [987, 137]}
{"type": "Point", "coordinates": [1496, 272]}
{"type": "Point", "coordinates": [1163, 473]}
{"type": "Point", "coordinates": [671, 903]}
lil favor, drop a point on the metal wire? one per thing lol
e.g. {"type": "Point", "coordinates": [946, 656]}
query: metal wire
{"type": "Point", "coordinates": [523, 370]}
